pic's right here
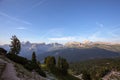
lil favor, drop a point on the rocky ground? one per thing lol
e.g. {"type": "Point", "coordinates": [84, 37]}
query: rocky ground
{"type": "Point", "coordinates": [113, 75]}
{"type": "Point", "coordinates": [12, 71]}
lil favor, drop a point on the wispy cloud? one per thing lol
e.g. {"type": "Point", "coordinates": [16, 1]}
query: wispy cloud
{"type": "Point", "coordinates": [21, 28]}
{"type": "Point", "coordinates": [67, 39]}
{"type": "Point", "coordinates": [100, 24]}
{"type": "Point", "coordinates": [96, 36]}
{"type": "Point", "coordinates": [14, 18]}
{"type": "Point", "coordinates": [115, 31]}
{"type": "Point", "coordinates": [62, 39]}
{"type": "Point", "coordinates": [80, 39]}
{"type": "Point", "coordinates": [110, 34]}
{"type": "Point", "coordinates": [57, 32]}
{"type": "Point", "coordinates": [103, 33]}
{"type": "Point", "coordinates": [38, 4]}
{"type": "Point", "coordinates": [115, 28]}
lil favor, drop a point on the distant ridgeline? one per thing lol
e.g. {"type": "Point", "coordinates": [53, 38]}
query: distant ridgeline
{"type": "Point", "coordinates": [80, 54]}
{"type": "Point", "coordinates": [73, 51]}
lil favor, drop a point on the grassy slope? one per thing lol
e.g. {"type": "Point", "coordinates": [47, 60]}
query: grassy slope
{"type": "Point", "coordinates": [95, 67]}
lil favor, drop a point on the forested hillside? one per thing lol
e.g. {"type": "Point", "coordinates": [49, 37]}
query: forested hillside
{"type": "Point", "coordinates": [96, 69]}
{"type": "Point", "coordinates": [80, 54]}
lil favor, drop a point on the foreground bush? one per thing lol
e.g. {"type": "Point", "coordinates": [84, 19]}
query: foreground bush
{"type": "Point", "coordinates": [28, 64]}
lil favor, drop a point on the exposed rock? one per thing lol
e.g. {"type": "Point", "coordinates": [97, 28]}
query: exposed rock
{"type": "Point", "coordinates": [113, 75]}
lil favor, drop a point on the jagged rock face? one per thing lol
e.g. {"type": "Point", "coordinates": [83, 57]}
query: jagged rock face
{"type": "Point", "coordinates": [73, 44]}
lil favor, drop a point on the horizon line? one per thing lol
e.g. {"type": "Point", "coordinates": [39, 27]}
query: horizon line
{"type": "Point", "coordinates": [84, 42]}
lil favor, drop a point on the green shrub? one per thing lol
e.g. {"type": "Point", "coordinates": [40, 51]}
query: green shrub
{"type": "Point", "coordinates": [28, 64]}
{"type": "Point", "coordinates": [17, 59]}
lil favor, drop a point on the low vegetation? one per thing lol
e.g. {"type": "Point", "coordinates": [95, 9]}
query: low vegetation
{"type": "Point", "coordinates": [59, 68]}
{"type": "Point", "coordinates": [28, 64]}
{"type": "Point", "coordinates": [95, 69]}
{"type": "Point", "coordinates": [31, 65]}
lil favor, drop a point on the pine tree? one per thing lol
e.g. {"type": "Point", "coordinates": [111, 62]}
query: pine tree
{"type": "Point", "coordinates": [45, 60]}
{"type": "Point", "coordinates": [62, 65]}
{"type": "Point", "coordinates": [34, 57]}
{"type": "Point", "coordinates": [59, 62]}
{"type": "Point", "coordinates": [15, 46]}
{"type": "Point", "coordinates": [53, 61]}
{"type": "Point", "coordinates": [50, 62]}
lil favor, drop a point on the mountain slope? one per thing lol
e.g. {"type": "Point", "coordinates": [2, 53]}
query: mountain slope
{"type": "Point", "coordinates": [79, 54]}
{"type": "Point", "coordinates": [73, 51]}
{"type": "Point", "coordinates": [27, 48]}
{"type": "Point", "coordinates": [98, 69]}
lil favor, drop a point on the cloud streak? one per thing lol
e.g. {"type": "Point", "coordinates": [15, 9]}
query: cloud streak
{"type": "Point", "coordinates": [38, 4]}
{"type": "Point", "coordinates": [103, 34]}
{"type": "Point", "coordinates": [53, 32]}
{"type": "Point", "coordinates": [80, 39]}
{"type": "Point", "coordinates": [62, 39]}
{"type": "Point", "coordinates": [14, 18]}
{"type": "Point", "coordinates": [67, 39]}
{"type": "Point", "coordinates": [21, 28]}
{"type": "Point", "coordinates": [100, 24]}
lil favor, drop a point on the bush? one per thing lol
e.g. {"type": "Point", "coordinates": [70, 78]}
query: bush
{"type": "Point", "coordinates": [86, 75]}
{"type": "Point", "coordinates": [28, 64]}
{"type": "Point", "coordinates": [17, 59]}
{"type": "Point", "coordinates": [39, 71]}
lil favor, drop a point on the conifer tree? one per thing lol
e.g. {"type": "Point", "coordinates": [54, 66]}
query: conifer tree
{"type": "Point", "coordinates": [50, 62]}
{"type": "Point", "coordinates": [15, 46]}
{"type": "Point", "coordinates": [34, 57]}
{"type": "Point", "coordinates": [62, 65]}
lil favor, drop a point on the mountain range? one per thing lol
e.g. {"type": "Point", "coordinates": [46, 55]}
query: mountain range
{"type": "Point", "coordinates": [72, 51]}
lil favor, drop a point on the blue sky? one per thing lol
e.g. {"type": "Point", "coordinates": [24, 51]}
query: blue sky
{"type": "Point", "coordinates": [60, 20]}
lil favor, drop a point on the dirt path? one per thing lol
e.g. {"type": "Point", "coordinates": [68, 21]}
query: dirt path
{"type": "Point", "coordinates": [9, 73]}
